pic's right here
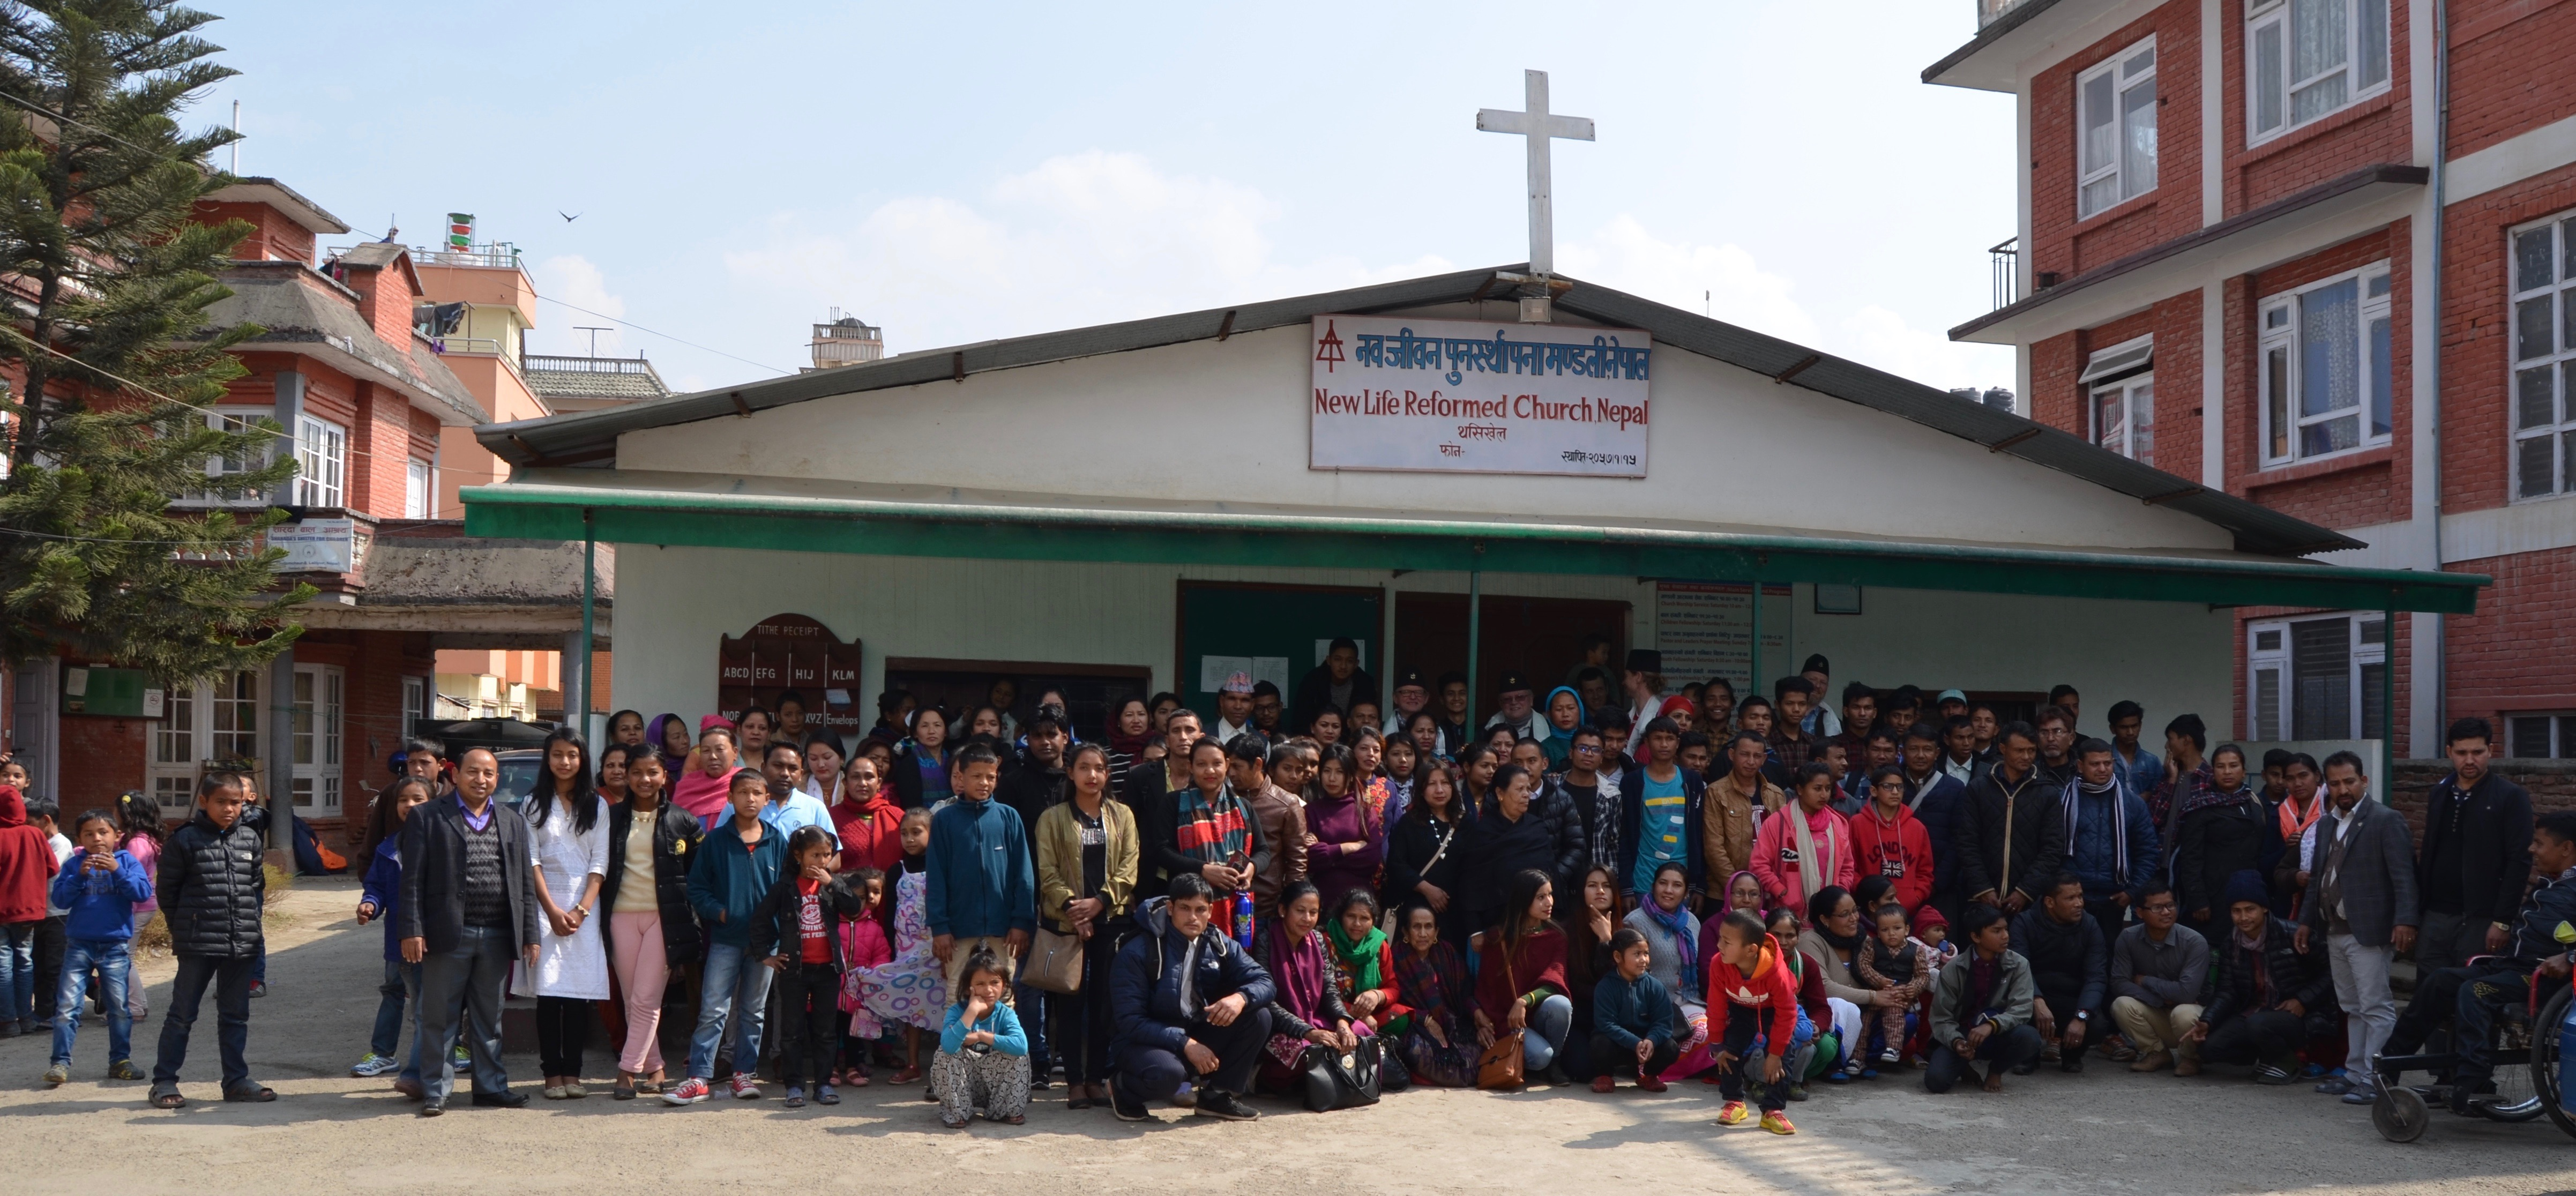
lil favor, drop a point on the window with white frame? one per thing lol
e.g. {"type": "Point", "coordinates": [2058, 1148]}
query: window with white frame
{"type": "Point", "coordinates": [2540, 736]}
{"type": "Point", "coordinates": [321, 462]}
{"type": "Point", "coordinates": [419, 491]}
{"type": "Point", "coordinates": [2544, 357]}
{"type": "Point", "coordinates": [223, 466]}
{"type": "Point", "coordinates": [415, 703]}
{"type": "Point", "coordinates": [2115, 125]}
{"type": "Point", "coordinates": [313, 724]}
{"type": "Point", "coordinates": [2120, 397]}
{"type": "Point", "coordinates": [212, 722]}
{"type": "Point", "coordinates": [2306, 59]}
{"type": "Point", "coordinates": [2325, 375]}
{"type": "Point", "coordinates": [2317, 677]}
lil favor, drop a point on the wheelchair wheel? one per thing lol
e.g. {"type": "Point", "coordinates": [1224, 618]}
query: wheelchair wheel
{"type": "Point", "coordinates": [2516, 1097]}
{"type": "Point", "coordinates": [2399, 1115]}
{"type": "Point", "coordinates": [2544, 1059]}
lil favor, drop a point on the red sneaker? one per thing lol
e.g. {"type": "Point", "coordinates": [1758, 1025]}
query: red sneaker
{"type": "Point", "coordinates": [1651, 1083]}
{"type": "Point", "coordinates": [1603, 1083]}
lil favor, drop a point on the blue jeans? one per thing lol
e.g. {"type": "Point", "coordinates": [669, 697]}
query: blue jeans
{"type": "Point", "coordinates": [1548, 1026]}
{"type": "Point", "coordinates": [729, 982]}
{"type": "Point", "coordinates": [115, 971]}
{"type": "Point", "coordinates": [18, 971]}
{"type": "Point", "coordinates": [393, 994]}
{"type": "Point", "coordinates": [471, 977]}
{"type": "Point", "coordinates": [230, 976]}
{"type": "Point", "coordinates": [411, 991]}
{"type": "Point", "coordinates": [1030, 1004]}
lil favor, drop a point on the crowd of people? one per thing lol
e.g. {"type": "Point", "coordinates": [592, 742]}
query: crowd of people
{"type": "Point", "coordinates": [1332, 897]}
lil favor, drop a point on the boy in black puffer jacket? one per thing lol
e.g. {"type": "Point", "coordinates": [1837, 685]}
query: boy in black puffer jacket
{"type": "Point", "coordinates": [211, 891]}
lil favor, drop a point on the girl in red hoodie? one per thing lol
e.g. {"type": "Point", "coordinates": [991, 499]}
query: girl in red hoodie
{"type": "Point", "coordinates": [1888, 840]}
{"type": "Point", "coordinates": [1761, 1003]}
{"type": "Point", "coordinates": [26, 871]}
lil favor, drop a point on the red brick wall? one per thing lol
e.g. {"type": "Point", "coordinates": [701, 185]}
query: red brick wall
{"type": "Point", "coordinates": [2509, 69]}
{"type": "Point", "coordinates": [2059, 401]}
{"type": "Point", "coordinates": [101, 757]}
{"type": "Point", "coordinates": [385, 300]}
{"type": "Point", "coordinates": [2477, 331]}
{"type": "Point", "coordinates": [273, 237]}
{"type": "Point", "coordinates": [2513, 653]}
{"type": "Point", "coordinates": [2058, 241]}
{"type": "Point", "coordinates": [2373, 131]}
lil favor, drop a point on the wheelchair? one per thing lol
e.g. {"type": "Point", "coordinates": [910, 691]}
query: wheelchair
{"type": "Point", "coordinates": [2525, 1055]}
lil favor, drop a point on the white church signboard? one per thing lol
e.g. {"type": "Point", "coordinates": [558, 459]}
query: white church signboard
{"type": "Point", "coordinates": [1461, 396]}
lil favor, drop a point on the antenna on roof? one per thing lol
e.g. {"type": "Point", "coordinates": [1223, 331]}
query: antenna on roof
{"type": "Point", "coordinates": [594, 336]}
{"type": "Point", "coordinates": [236, 137]}
{"type": "Point", "coordinates": [391, 231]}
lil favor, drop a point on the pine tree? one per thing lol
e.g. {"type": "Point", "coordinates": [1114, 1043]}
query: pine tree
{"type": "Point", "coordinates": [105, 281]}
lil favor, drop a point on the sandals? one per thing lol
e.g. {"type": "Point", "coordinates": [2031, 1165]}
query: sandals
{"type": "Point", "coordinates": [253, 1095]}
{"type": "Point", "coordinates": [168, 1100]}
{"type": "Point", "coordinates": [625, 1090]}
{"type": "Point", "coordinates": [957, 1123]}
{"type": "Point", "coordinates": [908, 1075]}
{"type": "Point", "coordinates": [1015, 1119]}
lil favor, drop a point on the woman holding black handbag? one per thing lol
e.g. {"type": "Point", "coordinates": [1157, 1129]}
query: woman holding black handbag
{"type": "Point", "coordinates": [1087, 859]}
{"type": "Point", "coordinates": [1309, 1009]}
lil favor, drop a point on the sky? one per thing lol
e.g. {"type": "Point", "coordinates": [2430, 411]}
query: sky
{"type": "Point", "coordinates": [958, 174]}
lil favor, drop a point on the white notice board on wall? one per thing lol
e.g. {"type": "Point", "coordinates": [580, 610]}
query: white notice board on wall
{"type": "Point", "coordinates": [1705, 629]}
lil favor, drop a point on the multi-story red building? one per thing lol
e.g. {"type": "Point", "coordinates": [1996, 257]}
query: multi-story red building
{"type": "Point", "coordinates": [351, 365]}
{"type": "Point", "coordinates": [2320, 254]}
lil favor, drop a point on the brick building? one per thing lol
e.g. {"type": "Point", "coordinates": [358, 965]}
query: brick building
{"type": "Point", "coordinates": [365, 395]}
{"type": "Point", "coordinates": [2234, 217]}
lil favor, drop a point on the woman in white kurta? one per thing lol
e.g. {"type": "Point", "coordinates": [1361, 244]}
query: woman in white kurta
{"type": "Point", "coordinates": [569, 825]}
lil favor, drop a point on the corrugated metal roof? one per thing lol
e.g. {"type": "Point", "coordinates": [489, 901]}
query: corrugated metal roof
{"type": "Point", "coordinates": [590, 437]}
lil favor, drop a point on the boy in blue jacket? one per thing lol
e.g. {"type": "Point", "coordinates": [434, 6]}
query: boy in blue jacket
{"type": "Point", "coordinates": [737, 865]}
{"type": "Point", "coordinates": [98, 886]}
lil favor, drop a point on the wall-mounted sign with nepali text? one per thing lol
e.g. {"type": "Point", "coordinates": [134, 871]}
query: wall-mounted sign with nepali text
{"type": "Point", "coordinates": [1459, 396]}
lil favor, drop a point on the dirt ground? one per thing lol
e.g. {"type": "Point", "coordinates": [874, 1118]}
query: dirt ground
{"type": "Point", "coordinates": [2104, 1131]}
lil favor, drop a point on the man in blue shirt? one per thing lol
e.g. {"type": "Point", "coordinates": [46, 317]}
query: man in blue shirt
{"type": "Point", "coordinates": [2137, 769]}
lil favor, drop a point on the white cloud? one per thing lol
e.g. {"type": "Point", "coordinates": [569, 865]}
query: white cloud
{"type": "Point", "coordinates": [1081, 239]}
{"type": "Point", "coordinates": [1094, 237]}
{"type": "Point", "coordinates": [1724, 281]}
{"type": "Point", "coordinates": [572, 279]}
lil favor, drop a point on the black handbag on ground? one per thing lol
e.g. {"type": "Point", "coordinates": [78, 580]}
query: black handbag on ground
{"type": "Point", "coordinates": [1338, 1080]}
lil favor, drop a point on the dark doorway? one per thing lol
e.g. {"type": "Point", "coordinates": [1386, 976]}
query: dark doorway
{"type": "Point", "coordinates": [1539, 637]}
{"type": "Point", "coordinates": [959, 686]}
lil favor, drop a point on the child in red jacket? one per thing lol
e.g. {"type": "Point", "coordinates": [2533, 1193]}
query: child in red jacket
{"type": "Point", "coordinates": [26, 872]}
{"type": "Point", "coordinates": [1761, 1005]}
{"type": "Point", "coordinates": [1888, 840]}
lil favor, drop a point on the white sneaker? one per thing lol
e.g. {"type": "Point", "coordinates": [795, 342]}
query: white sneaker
{"type": "Point", "coordinates": [374, 1065]}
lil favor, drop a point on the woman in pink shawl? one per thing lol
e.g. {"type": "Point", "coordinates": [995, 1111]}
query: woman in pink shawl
{"type": "Point", "coordinates": [1309, 1007]}
{"type": "Point", "coordinates": [701, 788]}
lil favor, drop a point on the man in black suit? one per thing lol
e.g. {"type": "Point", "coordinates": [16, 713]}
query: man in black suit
{"type": "Point", "coordinates": [466, 913]}
{"type": "Point", "coordinates": [2476, 854]}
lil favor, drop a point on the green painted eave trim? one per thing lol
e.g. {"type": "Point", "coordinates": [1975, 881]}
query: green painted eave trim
{"type": "Point", "coordinates": [888, 528]}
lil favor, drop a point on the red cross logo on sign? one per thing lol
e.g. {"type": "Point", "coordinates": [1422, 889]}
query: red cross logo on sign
{"type": "Point", "coordinates": [1329, 349]}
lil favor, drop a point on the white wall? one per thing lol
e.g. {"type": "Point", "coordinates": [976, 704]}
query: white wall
{"type": "Point", "coordinates": [1227, 422]}
{"type": "Point", "coordinates": [2170, 657]}
{"type": "Point", "coordinates": [674, 604]}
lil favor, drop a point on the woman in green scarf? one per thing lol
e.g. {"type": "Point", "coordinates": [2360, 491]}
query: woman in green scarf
{"type": "Point", "coordinates": [1364, 962]}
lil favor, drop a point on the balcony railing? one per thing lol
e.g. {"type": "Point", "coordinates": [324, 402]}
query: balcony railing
{"type": "Point", "coordinates": [466, 344]}
{"type": "Point", "coordinates": [591, 365]}
{"type": "Point", "coordinates": [499, 255]}
{"type": "Point", "coordinates": [2005, 261]}
{"type": "Point", "coordinates": [1991, 11]}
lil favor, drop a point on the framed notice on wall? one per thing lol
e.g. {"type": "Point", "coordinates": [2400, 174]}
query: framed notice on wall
{"type": "Point", "coordinates": [791, 662]}
{"type": "Point", "coordinates": [1460, 396]}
